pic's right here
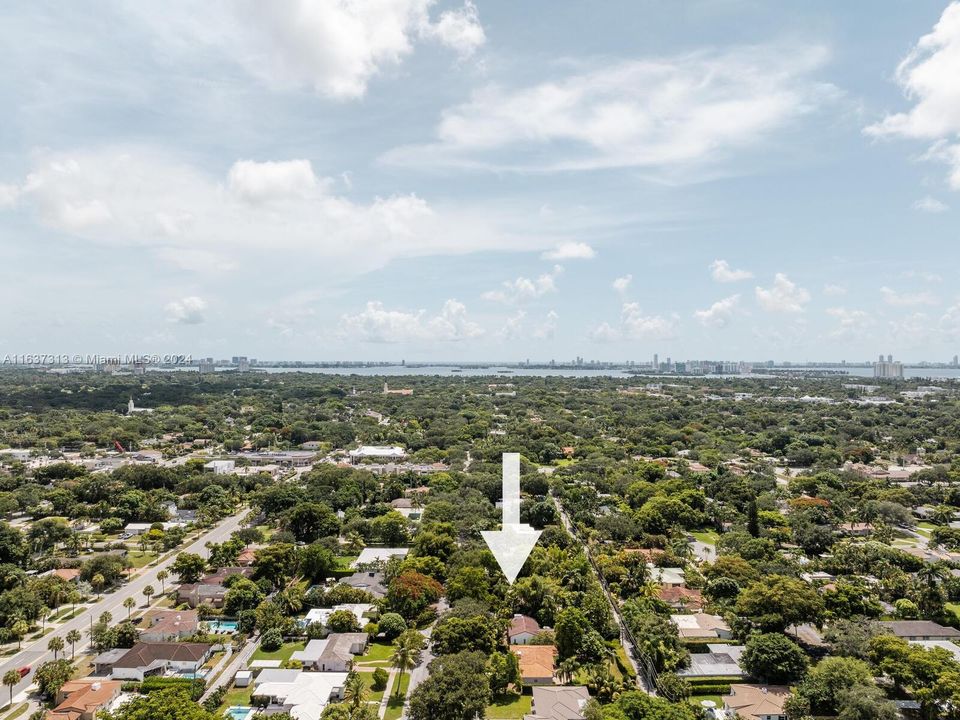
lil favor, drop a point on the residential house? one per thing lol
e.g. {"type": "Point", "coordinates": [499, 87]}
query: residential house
{"type": "Point", "coordinates": [196, 594]}
{"type": "Point", "coordinates": [322, 615]}
{"type": "Point", "coordinates": [303, 695]}
{"type": "Point", "coordinates": [522, 629]}
{"type": "Point", "coordinates": [370, 555]}
{"type": "Point", "coordinates": [159, 658]}
{"type": "Point", "coordinates": [83, 699]}
{"type": "Point", "coordinates": [950, 647]}
{"type": "Point", "coordinates": [702, 626]}
{"type": "Point", "coordinates": [370, 581]}
{"type": "Point", "coordinates": [757, 702]}
{"type": "Point", "coordinates": [921, 630]}
{"type": "Point", "coordinates": [667, 577]}
{"type": "Point", "coordinates": [70, 575]}
{"type": "Point", "coordinates": [169, 625]}
{"type": "Point", "coordinates": [682, 598]}
{"type": "Point", "coordinates": [332, 654]}
{"type": "Point", "coordinates": [537, 663]}
{"type": "Point", "coordinates": [558, 703]}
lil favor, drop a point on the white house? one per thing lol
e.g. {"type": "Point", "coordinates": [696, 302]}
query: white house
{"type": "Point", "coordinates": [377, 452]}
{"type": "Point", "coordinates": [221, 467]}
{"type": "Point", "coordinates": [303, 695]}
{"type": "Point", "coordinates": [322, 615]}
{"type": "Point", "coordinates": [371, 555]}
{"type": "Point", "coordinates": [332, 654]}
{"type": "Point", "coordinates": [158, 658]}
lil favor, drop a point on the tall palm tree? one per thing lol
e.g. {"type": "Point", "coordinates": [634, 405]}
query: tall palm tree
{"type": "Point", "coordinates": [162, 576]}
{"type": "Point", "coordinates": [355, 693]}
{"type": "Point", "coordinates": [55, 645]}
{"type": "Point", "coordinates": [129, 603]}
{"type": "Point", "coordinates": [406, 654]}
{"type": "Point", "coordinates": [73, 637]}
{"type": "Point", "coordinates": [10, 679]}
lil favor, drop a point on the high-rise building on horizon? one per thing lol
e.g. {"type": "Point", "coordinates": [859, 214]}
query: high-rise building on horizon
{"type": "Point", "coordinates": [888, 368]}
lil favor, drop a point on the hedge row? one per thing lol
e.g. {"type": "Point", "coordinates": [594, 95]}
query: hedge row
{"type": "Point", "coordinates": [194, 687]}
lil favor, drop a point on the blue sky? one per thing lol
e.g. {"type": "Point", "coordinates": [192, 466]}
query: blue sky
{"type": "Point", "coordinates": [492, 180]}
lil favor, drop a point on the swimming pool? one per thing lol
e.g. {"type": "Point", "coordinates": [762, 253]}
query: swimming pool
{"type": "Point", "coordinates": [239, 712]}
{"type": "Point", "coordinates": [221, 627]}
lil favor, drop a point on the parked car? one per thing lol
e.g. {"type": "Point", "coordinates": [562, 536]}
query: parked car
{"type": "Point", "coordinates": [24, 671]}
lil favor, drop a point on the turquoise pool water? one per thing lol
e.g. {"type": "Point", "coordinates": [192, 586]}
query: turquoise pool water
{"type": "Point", "coordinates": [239, 712]}
{"type": "Point", "coordinates": [222, 627]}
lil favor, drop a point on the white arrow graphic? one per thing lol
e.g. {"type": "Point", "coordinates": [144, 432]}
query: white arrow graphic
{"type": "Point", "coordinates": [514, 542]}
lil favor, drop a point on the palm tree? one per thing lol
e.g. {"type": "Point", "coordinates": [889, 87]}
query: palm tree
{"type": "Point", "coordinates": [406, 654]}
{"type": "Point", "coordinates": [148, 592]}
{"type": "Point", "coordinates": [97, 582]}
{"type": "Point", "coordinates": [162, 576]}
{"type": "Point", "coordinates": [567, 670]}
{"type": "Point", "coordinates": [105, 617]}
{"type": "Point", "coordinates": [129, 604]}
{"type": "Point", "coordinates": [44, 611]}
{"type": "Point", "coordinates": [10, 679]}
{"type": "Point", "coordinates": [19, 629]}
{"type": "Point", "coordinates": [355, 693]}
{"type": "Point", "coordinates": [55, 645]}
{"type": "Point", "coordinates": [73, 637]}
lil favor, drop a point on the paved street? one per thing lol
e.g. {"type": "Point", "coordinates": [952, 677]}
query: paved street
{"type": "Point", "coordinates": [36, 653]}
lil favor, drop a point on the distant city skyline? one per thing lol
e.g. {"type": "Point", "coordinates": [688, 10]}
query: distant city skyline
{"type": "Point", "coordinates": [464, 180]}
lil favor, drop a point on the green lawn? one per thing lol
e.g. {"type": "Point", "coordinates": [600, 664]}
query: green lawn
{"type": "Point", "coordinates": [140, 559]}
{"type": "Point", "coordinates": [395, 704]}
{"type": "Point", "coordinates": [344, 561]}
{"type": "Point", "coordinates": [16, 712]}
{"type": "Point", "coordinates": [283, 654]}
{"type": "Point", "coordinates": [954, 608]}
{"type": "Point", "coordinates": [695, 699]}
{"type": "Point", "coordinates": [236, 696]}
{"type": "Point", "coordinates": [509, 707]}
{"type": "Point", "coordinates": [373, 695]}
{"type": "Point", "coordinates": [706, 536]}
{"type": "Point", "coordinates": [376, 652]}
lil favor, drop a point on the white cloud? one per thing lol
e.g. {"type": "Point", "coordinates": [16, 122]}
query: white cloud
{"type": "Point", "coordinates": [524, 289]}
{"type": "Point", "coordinates": [622, 284]}
{"type": "Point", "coordinates": [257, 181]}
{"type": "Point", "coordinates": [719, 314]}
{"type": "Point", "coordinates": [570, 251]}
{"type": "Point", "coordinates": [784, 296]}
{"type": "Point", "coordinates": [187, 311]}
{"type": "Point", "coordinates": [634, 325]}
{"type": "Point", "coordinates": [376, 324]}
{"type": "Point", "coordinates": [834, 290]}
{"type": "Point", "coordinates": [721, 271]}
{"type": "Point", "coordinates": [892, 297]}
{"type": "Point", "coordinates": [333, 47]}
{"type": "Point", "coordinates": [8, 195]}
{"type": "Point", "coordinates": [928, 76]}
{"type": "Point", "coordinates": [513, 326]}
{"type": "Point", "coordinates": [653, 113]}
{"type": "Point", "coordinates": [851, 324]}
{"type": "Point", "coordinates": [459, 30]}
{"type": "Point", "coordinates": [950, 322]}
{"type": "Point", "coordinates": [548, 328]}
{"type": "Point", "coordinates": [140, 197]}
{"type": "Point", "coordinates": [910, 331]}
{"type": "Point", "coordinates": [930, 205]}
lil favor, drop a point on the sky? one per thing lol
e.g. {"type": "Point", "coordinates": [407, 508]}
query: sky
{"type": "Point", "coordinates": [485, 180]}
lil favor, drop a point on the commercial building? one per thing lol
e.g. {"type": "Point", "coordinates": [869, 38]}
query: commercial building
{"type": "Point", "coordinates": [888, 369]}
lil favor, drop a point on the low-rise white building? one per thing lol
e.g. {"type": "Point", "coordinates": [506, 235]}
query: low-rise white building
{"type": "Point", "coordinates": [303, 695]}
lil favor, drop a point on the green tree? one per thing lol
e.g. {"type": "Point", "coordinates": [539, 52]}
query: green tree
{"type": "Point", "coordinates": [166, 704]}
{"type": "Point", "coordinates": [18, 630]}
{"type": "Point", "coordinates": [406, 654]}
{"type": "Point", "coordinates": [129, 603]}
{"type": "Point", "coordinates": [148, 592]}
{"type": "Point", "coordinates": [774, 658]}
{"type": "Point", "coordinates": [391, 625]}
{"type": "Point", "coordinates": [51, 676]}
{"type": "Point", "coordinates": [162, 577]}
{"type": "Point", "coordinates": [10, 679]}
{"type": "Point", "coordinates": [55, 645]}
{"type": "Point", "coordinates": [775, 602]}
{"type": "Point", "coordinates": [73, 637]}
{"type": "Point", "coordinates": [188, 567]}
{"type": "Point", "coordinates": [457, 688]}
{"type": "Point", "coordinates": [830, 677]}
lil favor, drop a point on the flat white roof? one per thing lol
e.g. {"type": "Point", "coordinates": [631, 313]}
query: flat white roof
{"type": "Point", "coordinates": [373, 554]}
{"type": "Point", "coordinates": [378, 451]}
